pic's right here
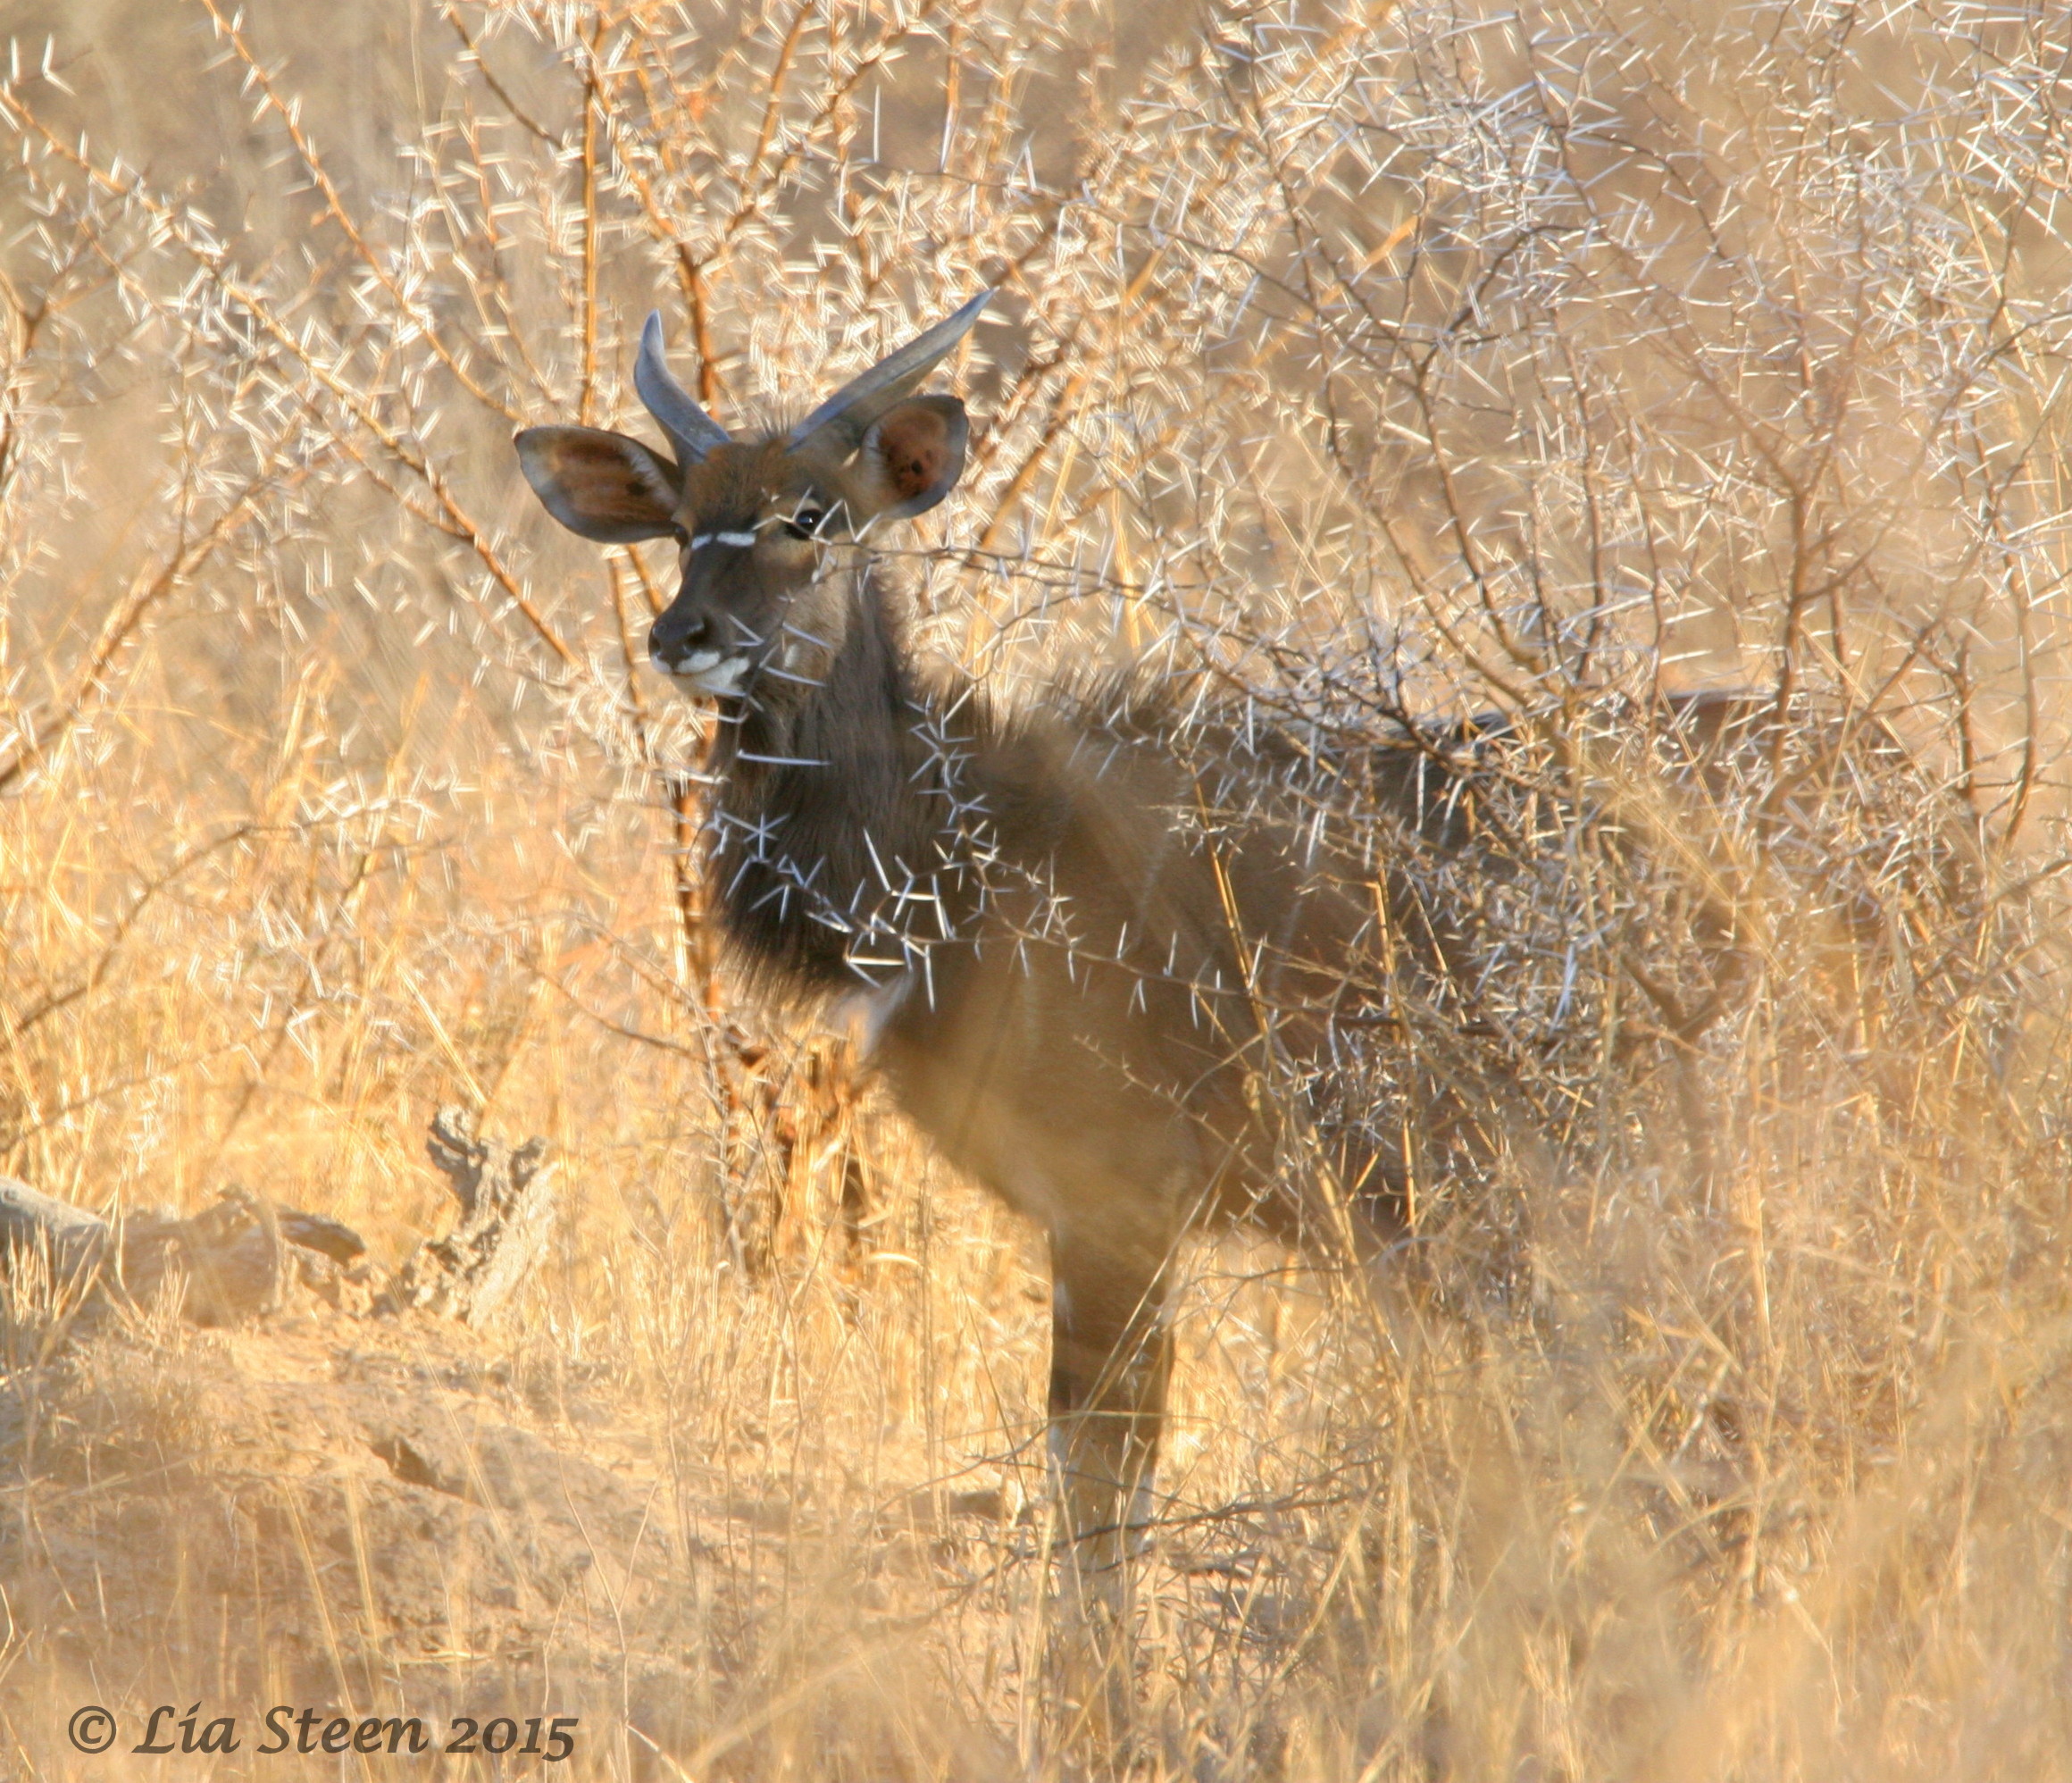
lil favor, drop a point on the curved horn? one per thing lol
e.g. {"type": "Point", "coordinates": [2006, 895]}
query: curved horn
{"type": "Point", "coordinates": [690, 429]}
{"type": "Point", "coordinates": [861, 401]}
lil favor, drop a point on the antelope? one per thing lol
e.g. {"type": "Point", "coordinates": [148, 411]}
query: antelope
{"type": "Point", "coordinates": [1093, 983]}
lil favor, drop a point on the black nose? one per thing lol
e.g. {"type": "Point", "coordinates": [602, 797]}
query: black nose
{"type": "Point", "coordinates": [675, 632]}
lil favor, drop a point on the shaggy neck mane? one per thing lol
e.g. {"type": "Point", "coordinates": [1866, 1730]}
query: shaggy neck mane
{"type": "Point", "coordinates": [842, 841]}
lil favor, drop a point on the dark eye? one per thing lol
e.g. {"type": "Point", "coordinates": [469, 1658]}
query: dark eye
{"type": "Point", "coordinates": [806, 523]}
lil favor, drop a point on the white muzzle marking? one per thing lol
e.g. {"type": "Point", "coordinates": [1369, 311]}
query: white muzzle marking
{"type": "Point", "coordinates": [708, 672]}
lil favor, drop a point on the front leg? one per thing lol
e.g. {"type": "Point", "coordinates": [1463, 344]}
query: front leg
{"type": "Point", "coordinates": [1111, 1356]}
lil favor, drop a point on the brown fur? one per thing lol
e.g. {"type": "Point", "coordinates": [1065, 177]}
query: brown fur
{"type": "Point", "coordinates": [1116, 963]}
{"type": "Point", "coordinates": [1097, 964]}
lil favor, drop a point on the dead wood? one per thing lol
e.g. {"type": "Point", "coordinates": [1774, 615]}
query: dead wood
{"type": "Point", "coordinates": [69, 1239]}
{"type": "Point", "coordinates": [506, 1198]}
{"type": "Point", "coordinates": [237, 1259]}
{"type": "Point", "coordinates": [243, 1257]}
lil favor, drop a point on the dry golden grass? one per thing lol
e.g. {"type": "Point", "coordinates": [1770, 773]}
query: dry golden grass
{"type": "Point", "coordinates": [1506, 359]}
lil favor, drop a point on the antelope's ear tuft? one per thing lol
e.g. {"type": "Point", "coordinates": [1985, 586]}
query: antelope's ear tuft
{"type": "Point", "coordinates": [913, 455]}
{"type": "Point", "coordinates": [601, 485]}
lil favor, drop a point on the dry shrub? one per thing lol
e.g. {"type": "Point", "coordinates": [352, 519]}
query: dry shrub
{"type": "Point", "coordinates": [1380, 363]}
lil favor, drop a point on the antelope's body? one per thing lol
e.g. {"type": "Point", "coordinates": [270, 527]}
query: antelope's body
{"type": "Point", "coordinates": [1084, 966]}
{"type": "Point", "coordinates": [1080, 980]}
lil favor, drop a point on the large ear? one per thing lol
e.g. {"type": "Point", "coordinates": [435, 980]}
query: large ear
{"type": "Point", "coordinates": [602, 485]}
{"type": "Point", "coordinates": [913, 455]}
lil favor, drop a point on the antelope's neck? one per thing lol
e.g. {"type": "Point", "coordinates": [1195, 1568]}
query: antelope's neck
{"type": "Point", "coordinates": [841, 840]}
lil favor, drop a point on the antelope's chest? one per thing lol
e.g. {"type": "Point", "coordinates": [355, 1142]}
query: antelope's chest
{"type": "Point", "coordinates": [1032, 1094]}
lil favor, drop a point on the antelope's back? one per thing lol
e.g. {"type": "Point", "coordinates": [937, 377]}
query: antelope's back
{"type": "Point", "coordinates": [1199, 940]}
{"type": "Point", "coordinates": [1226, 963]}
{"type": "Point", "coordinates": [1412, 958]}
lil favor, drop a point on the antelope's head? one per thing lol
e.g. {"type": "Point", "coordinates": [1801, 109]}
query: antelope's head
{"type": "Point", "coordinates": [754, 519]}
